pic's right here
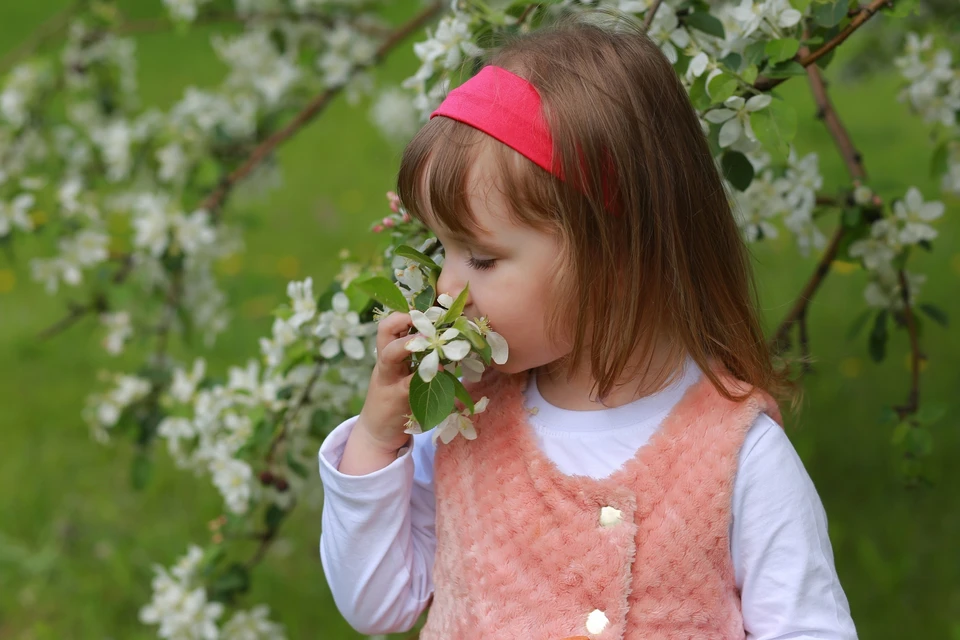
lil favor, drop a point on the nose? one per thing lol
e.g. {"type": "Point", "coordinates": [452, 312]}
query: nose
{"type": "Point", "coordinates": [452, 280]}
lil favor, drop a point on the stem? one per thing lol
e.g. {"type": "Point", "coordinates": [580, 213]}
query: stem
{"type": "Point", "coordinates": [807, 59]}
{"type": "Point", "coordinates": [913, 396]}
{"type": "Point", "coordinates": [648, 20]}
{"type": "Point", "coordinates": [216, 199]}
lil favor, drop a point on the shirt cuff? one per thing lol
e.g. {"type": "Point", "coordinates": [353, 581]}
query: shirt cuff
{"type": "Point", "coordinates": [331, 453]}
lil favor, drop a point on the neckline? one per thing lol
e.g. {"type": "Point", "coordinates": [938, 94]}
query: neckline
{"type": "Point", "coordinates": [559, 420]}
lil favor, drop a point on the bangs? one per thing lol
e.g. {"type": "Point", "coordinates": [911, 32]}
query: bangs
{"type": "Point", "coordinates": [433, 182]}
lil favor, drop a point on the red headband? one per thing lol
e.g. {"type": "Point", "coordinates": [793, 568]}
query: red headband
{"type": "Point", "coordinates": [506, 107]}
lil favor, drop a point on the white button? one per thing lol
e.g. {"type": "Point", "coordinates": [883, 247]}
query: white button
{"type": "Point", "coordinates": [610, 517]}
{"type": "Point", "coordinates": [596, 621]}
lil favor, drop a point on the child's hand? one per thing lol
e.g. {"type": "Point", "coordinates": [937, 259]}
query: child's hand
{"type": "Point", "coordinates": [387, 403]}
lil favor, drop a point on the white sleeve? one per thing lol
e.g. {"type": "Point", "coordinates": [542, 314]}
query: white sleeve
{"type": "Point", "coordinates": [781, 551]}
{"type": "Point", "coordinates": [378, 536]}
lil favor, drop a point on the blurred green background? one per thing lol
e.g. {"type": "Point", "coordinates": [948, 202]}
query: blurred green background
{"type": "Point", "coordinates": [77, 543]}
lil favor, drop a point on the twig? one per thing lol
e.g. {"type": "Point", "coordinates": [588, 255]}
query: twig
{"type": "Point", "coordinates": [215, 200]}
{"type": "Point", "coordinates": [77, 311]}
{"type": "Point", "coordinates": [648, 20]}
{"type": "Point", "coordinates": [153, 25]}
{"type": "Point", "coordinates": [865, 13]}
{"type": "Point", "coordinates": [913, 396]}
{"type": "Point", "coordinates": [45, 32]}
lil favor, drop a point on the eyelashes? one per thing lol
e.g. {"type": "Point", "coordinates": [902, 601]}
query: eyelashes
{"type": "Point", "coordinates": [480, 265]}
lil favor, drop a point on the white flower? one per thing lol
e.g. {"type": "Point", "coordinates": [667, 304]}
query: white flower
{"type": "Point", "coordinates": [252, 625]}
{"type": "Point", "coordinates": [15, 214]}
{"type": "Point", "coordinates": [184, 384]}
{"type": "Point", "coordinates": [885, 292]}
{"type": "Point", "coordinates": [173, 163]}
{"type": "Point", "coordinates": [459, 423]}
{"type": "Point", "coordinates": [341, 330]}
{"type": "Point", "coordinates": [304, 304]}
{"type": "Point", "coordinates": [86, 248]}
{"type": "Point", "coordinates": [115, 140]}
{"type": "Point", "coordinates": [232, 478]}
{"type": "Point", "coordinates": [753, 15]}
{"type": "Point", "coordinates": [194, 232]}
{"type": "Point", "coordinates": [915, 214]}
{"type": "Point", "coordinates": [283, 336]}
{"type": "Point", "coordinates": [175, 430]}
{"type": "Point", "coordinates": [880, 248]}
{"type": "Point", "coordinates": [151, 224]}
{"type": "Point", "coordinates": [394, 113]}
{"type": "Point", "coordinates": [118, 330]}
{"type": "Point", "coordinates": [666, 31]}
{"type": "Point", "coordinates": [736, 117]}
{"type": "Point", "coordinates": [447, 46]}
{"type": "Point", "coordinates": [472, 368]}
{"type": "Point", "coordinates": [439, 346]}
{"type": "Point", "coordinates": [409, 274]}
{"type": "Point", "coordinates": [185, 10]}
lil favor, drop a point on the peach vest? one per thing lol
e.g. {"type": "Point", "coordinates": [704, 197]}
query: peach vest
{"type": "Point", "coordinates": [525, 552]}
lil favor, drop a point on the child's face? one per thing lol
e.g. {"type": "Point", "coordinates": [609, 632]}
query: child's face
{"type": "Point", "coordinates": [509, 268]}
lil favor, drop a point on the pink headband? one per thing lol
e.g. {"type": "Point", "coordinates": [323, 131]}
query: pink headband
{"type": "Point", "coordinates": [506, 107]}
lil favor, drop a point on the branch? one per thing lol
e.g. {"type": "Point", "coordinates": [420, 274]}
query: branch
{"type": "Point", "coordinates": [153, 25]}
{"type": "Point", "coordinates": [807, 59]}
{"type": "Point", "coordinates": [827, 113]}
{"type": "Point", "coordinates": [215, 200]}
{"type": "Point", "coordinates": [648, 20]}
{"type": "Point", "coordinates": [913, 397]}
{"type": "Point", "coordinates": [45, 32]}
{"type": "Point", "coordinates": [77, 311]}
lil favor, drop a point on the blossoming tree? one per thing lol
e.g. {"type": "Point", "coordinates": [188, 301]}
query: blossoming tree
{"type": "Point", "coordinates": [136, 199]}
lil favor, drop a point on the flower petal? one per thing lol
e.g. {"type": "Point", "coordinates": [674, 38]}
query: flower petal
{"type": "Point", "coordinates": [499, 351]}
{"type": "Point", "coordinates": [429, 366]}
{"type": "Point", "coordinates": [456, 350]}
{"type": "Point", "coordinates": [423, 324]}
{"type": "Point", "coordinates": [449, 334]}
{"type": "Point", "coordinates": [481, 405]}
{"type": "Point", "coordinates": [730, 132]}
{"type": "Point", "coordinates": [445, 300]}
{"type": "Point", "coordinates": [341, 303]}
{"type": "Point", "coordinates": [759, 102]}
{"type": "Point", "coordinates": [417, 344]}
{"type": "Point", "coordinates": [330, 348]}
{"type": "Point", "coordinates": [719, 115]}
{"type": "Point", "coordinates": [353, 347]}
{"type": "Point", "coordinates": [467, 430]}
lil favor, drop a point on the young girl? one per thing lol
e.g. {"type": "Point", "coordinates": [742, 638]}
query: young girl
{"type": "Point", "coordinates": [629, 478]}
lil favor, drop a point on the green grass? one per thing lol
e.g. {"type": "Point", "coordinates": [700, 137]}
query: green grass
{"type": "Point", "coordinates": [77, 542]}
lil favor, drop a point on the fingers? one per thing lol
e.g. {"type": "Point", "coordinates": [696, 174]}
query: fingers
{"type": "Point", "coordinates": [392, 327]}
{"type": "Point", "coordinates": [394, 357]}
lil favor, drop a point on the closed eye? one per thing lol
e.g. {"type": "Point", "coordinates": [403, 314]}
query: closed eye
{"type": "Point", "coordinates": [480, 265]}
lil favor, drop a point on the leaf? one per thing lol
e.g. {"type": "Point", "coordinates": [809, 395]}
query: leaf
{"type": "Point", "coordinates": [232, 582]}
{"type": "Point", "coordinates": [384, 291]}
{"type": "Point", "coordinates": [939, 162]}
{"type": "Point", "coordinates": [780, 50]}
{"type": "Point", "coordinates": [460, 391]}
{"type": "Point", "coordinates": [750, 74]}
{"type": "Point", "coordinates": [851, 217]}
{"type": "Point", "coordinates": [432, 401]}
{"type": "Point", "coordinates": [273, 517]}
{"type": "Point", "coordinates": [800, 5]}
{"type": "Point", "coordinates": [755, 52]}
{"type": "Point", "coordinates": [829, 14]}
{"type": "Point", "coordinates": [296, 466]}
{"type": "Point", "coordinates": [703, 21]}
{"type": "Point", "coordinates": [919, 441]}
{"type": "Point", "coordinates": [721, 87]}
{"type": "Point", "coordinates": [141, 469]}
{"type": "Point", "coordinates": [456, 309]}
{"type": "Point", "coordinates": [420, 258]}
{"type": "Point", "coordinates": [775, 127]}
{"type": "Point", "coordinates": [931, 413]}
{"type": "Point", "coordinates": [902, 8]}
{"type": "Point", "coordinates": [475, 339]}
{"type": "Point", "coordinates": [737, 169]}
{"type": "Point", "coordinates": [320, 423]}
{"type": "Point", "coordinates": [856, 327]}
{"type": "Point", "coordinates": [900, 433]}
{"type": "Point", "coordinates": [732, 61]}
{"type": "Point", "coordinates": [786, 69]}
{"type": "Point", "coordinates": [425, 299]}
{"type": "Point", "coordinates": [698, 94]}
{"type": "Point", "coordinates": [878, 337]}
{"type": "Point", "coordinates": [935, 313]}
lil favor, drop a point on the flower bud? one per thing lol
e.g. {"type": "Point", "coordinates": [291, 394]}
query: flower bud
{"type": "Point", "coordinates": [266, 477]}
{"type": "Point", "coordinates": [388, 222]}
{"type": "Point", "coordinates": [281, 484]}
{"type": "Point", "coordinates": [377, 228]}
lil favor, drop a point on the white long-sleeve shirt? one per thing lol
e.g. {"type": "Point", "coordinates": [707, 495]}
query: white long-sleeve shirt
{"type": "Point", "coordinates": [378, 539]}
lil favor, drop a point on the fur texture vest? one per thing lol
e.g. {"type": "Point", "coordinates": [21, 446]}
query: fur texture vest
{"type": "Point", "coordinates": [525, 552]}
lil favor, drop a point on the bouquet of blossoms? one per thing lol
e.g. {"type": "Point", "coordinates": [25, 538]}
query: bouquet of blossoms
{"type": "Point", "coordinates": [442, 336]}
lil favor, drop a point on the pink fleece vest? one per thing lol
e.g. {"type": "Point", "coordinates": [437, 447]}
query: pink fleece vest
{"type": "Point", "coordinates": [521, 551]}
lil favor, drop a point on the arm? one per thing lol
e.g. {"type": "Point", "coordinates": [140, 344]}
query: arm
{"type": "Point", "coordinates": [378, 540]}
{"type": "Point", "coordinates": [780, 546]}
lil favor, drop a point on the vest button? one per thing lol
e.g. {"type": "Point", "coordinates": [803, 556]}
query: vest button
{"type": "Point", "coordinates": [596, 621]}
{"type": "Point", "coordinates": [610, 517]}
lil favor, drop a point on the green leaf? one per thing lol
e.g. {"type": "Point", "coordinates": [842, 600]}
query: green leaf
{"type": "Point", "coordinates": [425, 299]}
{"type": "Point", "coordinates": [939, 162]}
{"type": "Point", "coordinates": [800, 5]}
{"type": "Point", "coordinates": [931, 413]}
{"type": "Point", "coordinates": [824, 61]}
{"type": "Point", "coordinates": [232, 582]}
{"type": "Point", "coordinates": [703, 21]}
{"type": "Point", "coordinates": [432, 401]}
{"type": "Point", "coordinates": [698, 94]}
{"type": "Point", "coordinates": [786, 69]}
{"type": "Point", "coordinates": [829, 14]}
{"type": "Point", "coordinates": [297, 467]}
{"type": "Point", "coordinates": [755, 52]}
{"type": "Point", "coordinates": [456, 309]}
{"type": "Point", "coordinates": [750, 74]}
{"type": "Point", "coordinates": [900, 433]}
{"type": "Point", "coordinates": [141, 470]}
{"type": "Point", "coordinates": [919, 441]}
{"type": "Point", "coordinates": [852, 216]}
{"type": "Point", "coordinates": [420, 258]}
{"type": "Point", "coordinates": [856, 327]}
{"type": "Point", "coordinates": [732, 61]}
{"type": "Point", "coordinates": [775, 128]}
{"type": "Point", "coordinates": [475, 339]}
{"type": "Point", "coordinates": [878, 337]}
{"type": "Point", "coordinates": [385, 292]}
{"type": "Point", "coordinates": [320, 423]}
{"type": "Point", "coordinates": [461, 391]}
{"type": "Point", "coordinates": [781, 50]}
{"type": "Point", "coordinates": [902, 8]}
{"type": "Point", "coordinates": [273, 516]}
{"type": "Point", "coordinates": [721, 87]}
{"type": "Point", "coordinates": [936, 314]}
{"type": "Point", "coordinates": [737, 169]}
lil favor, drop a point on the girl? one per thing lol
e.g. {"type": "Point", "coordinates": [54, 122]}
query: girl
{"type": "Point", "coordinates": [629, 478]}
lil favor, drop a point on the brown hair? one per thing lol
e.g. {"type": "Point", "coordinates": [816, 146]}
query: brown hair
{"type": "Point", "coordinates": [666, 263]}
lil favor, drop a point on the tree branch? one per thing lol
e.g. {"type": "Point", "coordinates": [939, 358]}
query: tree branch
{"type": "Point", "coordinates": [216, 199]}
{"type": "Point", "coordinates": [913, 396]}
{"type": "Point", "coordinates": [865, 13]}
{"type": "Point", "coordinates": [648, 20]}
{"type": "Point", "coordinates": [153, 25]}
